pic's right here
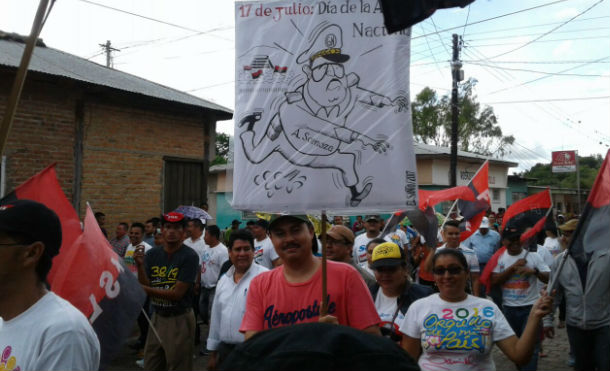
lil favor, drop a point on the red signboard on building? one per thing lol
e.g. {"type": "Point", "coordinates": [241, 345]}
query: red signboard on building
{"type": "Point", "coordinates": [564, 162]}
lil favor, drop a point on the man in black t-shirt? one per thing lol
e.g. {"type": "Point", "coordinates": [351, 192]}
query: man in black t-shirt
{"type": "Point", "coordinates": [167, 274]}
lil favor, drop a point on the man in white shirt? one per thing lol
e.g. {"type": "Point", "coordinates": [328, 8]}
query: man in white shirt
{"type": "Point", "coordinates": [136, 235]}
{"type": "Point", "coordinates": [264, 252]}
{"type": "Point", "coordinates": [38, 329]}
{"type": "Point", "coordinates": [214, 256]}
{"type": "Point", "coordinates": [230, 301]}
{"type": "Point", "coordinates": [372, 225]}
{"type": "Point", "coordinates": [517, 273]}
{"type": "Point", "coordinates": [451, 235]}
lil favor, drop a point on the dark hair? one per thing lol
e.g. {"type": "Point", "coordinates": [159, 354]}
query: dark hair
{"type": "Point", "coordinates": [457, 254]}
{"type": "Point", "coordinates": [197, 223]}
{"type": "Point", "coordinates": [250, 222]}
{"type": "Point", "coordinates": [137, 225]}
{"type": "Point", "coordinates": [154, 221]}
{"type": "Point", "coordinates": [125, 225]}
{"type": "Point", "coordinates": [99, 214]}
{"type": "Point", "coordinates": [452, 223]}
{"type": "Point", "coordinates": [214, 231]}
{"type": "Point", "coordinates": [241, 234]}
{"type": "Point", "coordinates": [377, 240]}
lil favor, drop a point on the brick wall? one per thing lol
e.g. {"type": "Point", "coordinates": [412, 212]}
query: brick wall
{"type": "Point", "coordinates": [42, 133]}
{"type": "Point", "coordinates": [125, 140]}
{"type": "Point", "coordinates": [123, 158]}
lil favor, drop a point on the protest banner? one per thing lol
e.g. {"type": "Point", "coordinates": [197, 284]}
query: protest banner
{"type": "Point", "coordinates": [322, 111]}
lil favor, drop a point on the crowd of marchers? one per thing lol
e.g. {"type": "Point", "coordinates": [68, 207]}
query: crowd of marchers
{"type": "Point", "coordinates": [433, 302]}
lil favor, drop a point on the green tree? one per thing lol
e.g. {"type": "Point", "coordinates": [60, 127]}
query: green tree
{"type": "Point", "coordinates": [589, 167]}
{"type": "Point", "coordinates": [222, 149]}
{"type": "Point", "coordinates": [478, 129]}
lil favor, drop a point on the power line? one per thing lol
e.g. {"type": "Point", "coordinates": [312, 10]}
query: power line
{"type": "Point", "coordinates": [538, 34]}
{"type": "Point", "coordinates": [465, 23]}
{"type": "Point", "coordinates": [432, 54]}
{"type": "Point", "coordinates": [540, 72]}
{"type": "Point", "coordinates": [492, 18]}
{"type": "Point", "coordinates": [539, 62]}
{"type": "Point", "coordinates": [544, 77]}
{"type": "Point", "coordinates": [210, 86]}
{"type": "Point", "coordinates": [536, 25]}
{"type": "Point", "coordinates": [546, 33]}
{"type": "Point", "coordinates": [548, 100]}
{"type": "Point", "coordinates": [553, 113]}
{"type": "Point", "coordinates": [151, 19]}
{"type": "Point", "coordinates": [545, 41]}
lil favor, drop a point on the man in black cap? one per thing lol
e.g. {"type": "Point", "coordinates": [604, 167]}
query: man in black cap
{"type": "Point", "coordinates": [312, 124]}
{"type": "Point", "coordinates": [38, 329]}
{"type": "Point", "coordinates": [291, 294]}
{"type": "Point", "coordinates": [167, 275]}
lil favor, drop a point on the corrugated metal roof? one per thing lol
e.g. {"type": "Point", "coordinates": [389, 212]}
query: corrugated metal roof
{"type": "Point", "coordinates": [428, 149]}
{"type": "Point", "coordinates": [55, 62]}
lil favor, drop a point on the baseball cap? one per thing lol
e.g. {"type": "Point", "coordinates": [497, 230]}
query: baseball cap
{"type": "Point", "coordinates": [570, 225]}
{"type": "Point", "coordinates": [484, 223]}
{"type": "Point", "coordinates": [235, 221]}
{"type": "Point", "coordinates": [277, 217]}
{"type": "Point", "coordinates": [340, 232]}
{"type": "Point", "coordinates": [387, 254]}
{"type": "Point", "coordinates": [173, 217]}
{"type": "Point", "coordinates": [511, 233]}
{"type": "Point", "coordinates": [33, 220]}
{"type": "Point", "coordinates": [372, 217]}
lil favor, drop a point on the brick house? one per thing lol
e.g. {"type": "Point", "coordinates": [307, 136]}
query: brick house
{"type": "Point", "coordinates": [130, 147]}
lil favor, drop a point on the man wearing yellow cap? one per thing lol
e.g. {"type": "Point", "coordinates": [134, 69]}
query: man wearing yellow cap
{"type": "Point", "coordinates": [312, 123]}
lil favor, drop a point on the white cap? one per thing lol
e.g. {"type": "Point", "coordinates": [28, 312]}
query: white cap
{"type": "Point", "coordinates": [484, 223]}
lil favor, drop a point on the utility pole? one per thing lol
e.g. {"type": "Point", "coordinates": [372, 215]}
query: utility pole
{"type": "Point", "coordinates": [108, 50]}
{"type": "Point", "coordinates": [457, 75]}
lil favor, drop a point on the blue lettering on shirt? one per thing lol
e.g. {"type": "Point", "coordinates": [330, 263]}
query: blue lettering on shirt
{"type": "Point", "coordinates": [273, 318]}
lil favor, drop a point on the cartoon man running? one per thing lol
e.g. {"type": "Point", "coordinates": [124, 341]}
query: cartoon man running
{"type": "Point", "coordinates": [311, 123]}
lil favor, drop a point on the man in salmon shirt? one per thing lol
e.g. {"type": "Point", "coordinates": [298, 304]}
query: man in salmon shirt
{"type": "Point", "coordinates": [292, 293]}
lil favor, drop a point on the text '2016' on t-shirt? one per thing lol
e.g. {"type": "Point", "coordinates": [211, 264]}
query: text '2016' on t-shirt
{"type": "Point", "coordinates": [274, 302]}
{"type": "Point", "coordinates": [164, 270]}
{"type": "Point", "coordinates": [455, 335]}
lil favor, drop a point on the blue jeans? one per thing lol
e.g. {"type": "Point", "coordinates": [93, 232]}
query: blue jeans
{"type": "Point", "coordinates": [517, 318]}
{"type": "Point", "coordinates": [591, 348]}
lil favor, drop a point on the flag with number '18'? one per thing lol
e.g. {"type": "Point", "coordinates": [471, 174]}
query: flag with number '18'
{"type": "Point", "coordinates": [86, 272]}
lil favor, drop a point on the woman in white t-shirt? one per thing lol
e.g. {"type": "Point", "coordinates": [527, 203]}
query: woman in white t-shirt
{"type": "Point", "coordinates": [454, 330]}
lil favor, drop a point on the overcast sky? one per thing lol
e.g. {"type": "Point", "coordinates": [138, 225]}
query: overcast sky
{"type": "Point", "coordinates": [545, 71]}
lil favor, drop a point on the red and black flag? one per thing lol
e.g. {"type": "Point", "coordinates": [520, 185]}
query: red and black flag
{"type": "Point", "coordinates": [593, 230]}
{"type": "Point", "coordinates": [529, 212]}
{"type": "Point", "coordinates": [473, 211]}
{"type": "Point", "coordinates": [87, 272]}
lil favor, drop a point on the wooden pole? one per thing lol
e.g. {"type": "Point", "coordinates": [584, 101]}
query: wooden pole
{"type": "Point", "coordinates": [13, 99]}
{"type": "Point", "coordinates": [324, 308]}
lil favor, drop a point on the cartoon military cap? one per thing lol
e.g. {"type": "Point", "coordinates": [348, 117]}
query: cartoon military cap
{"type": "Point", "coordinates": [326, 43]}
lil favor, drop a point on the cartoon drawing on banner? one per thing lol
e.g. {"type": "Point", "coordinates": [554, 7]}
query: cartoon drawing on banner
{"type": "Point", "coordinates": [310, 124]}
